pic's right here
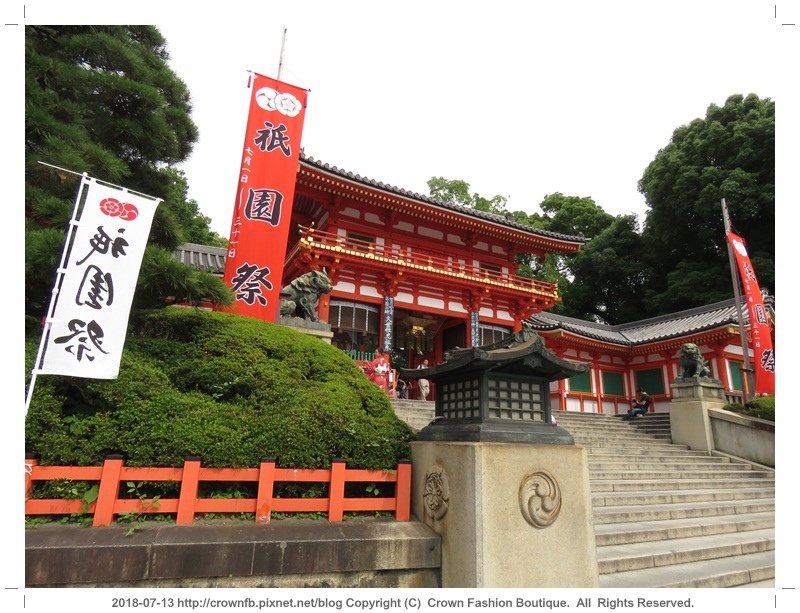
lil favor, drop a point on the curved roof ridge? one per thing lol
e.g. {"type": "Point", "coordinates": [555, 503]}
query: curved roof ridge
{"type": "Point", "coordinates": [493, 217]}
{"type": "Point", "coordinates": [707, 308]}
{"type": "Point", "coordinates": [662, 327]}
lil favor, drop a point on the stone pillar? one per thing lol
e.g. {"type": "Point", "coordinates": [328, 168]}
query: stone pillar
{"type": "Point", "coordinates": [509, 515]}
{"type": "Point", "coordinates": [688, 412]}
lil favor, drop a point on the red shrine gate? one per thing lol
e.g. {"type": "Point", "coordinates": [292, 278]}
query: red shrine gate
{"type": "Point", "coordinates": [412, 277]}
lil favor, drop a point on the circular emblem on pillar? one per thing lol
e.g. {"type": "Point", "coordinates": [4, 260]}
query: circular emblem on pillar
{"type": "Point", "coordinates": [539, 499]}
{"type": "Point", "coordinates": [437, 492]}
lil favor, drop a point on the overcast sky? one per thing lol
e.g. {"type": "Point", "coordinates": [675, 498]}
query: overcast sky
{"type": "Point", "coordinates": [571, 97]}
{"type": "Point", "coordinates": [517, 98]}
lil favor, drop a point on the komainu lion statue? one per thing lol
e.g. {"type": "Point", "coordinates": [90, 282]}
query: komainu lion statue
{"type": "Point", "coordinates": [299, 298]}
{"type": "Point", "coordinates": [692, 363]}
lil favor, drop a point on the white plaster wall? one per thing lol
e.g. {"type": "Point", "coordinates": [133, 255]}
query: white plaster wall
{"type": "Point", "coordinates": [430, 302]}
{"type": "Point", "coordinates": [430, 232]}
{"type": "Point", "coordinates": [368, 290]}
{"type": "Point", "coordinates": [345, 286]}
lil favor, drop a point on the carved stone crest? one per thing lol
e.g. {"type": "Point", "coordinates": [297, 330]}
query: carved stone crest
{"type": "Point", "coordinates": [539, 499]}
{"type": "Point", "coordinates": [437, 492]}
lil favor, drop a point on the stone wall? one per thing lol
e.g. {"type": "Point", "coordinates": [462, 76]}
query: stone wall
{"type": "Point", "coordinates": [373, 552]}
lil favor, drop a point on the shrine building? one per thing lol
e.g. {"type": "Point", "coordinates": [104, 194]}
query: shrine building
{"type": "Point", "coordinates": [414, 277]}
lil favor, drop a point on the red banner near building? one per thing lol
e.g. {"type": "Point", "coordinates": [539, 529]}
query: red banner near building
{"type": "Point", "coordinates": [760, 333]}
{"type": "Point", "coordinates": [264, 197]}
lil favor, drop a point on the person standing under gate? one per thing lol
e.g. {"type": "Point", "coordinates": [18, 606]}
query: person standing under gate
{"type": "Point", "coordinates": [424, 384]}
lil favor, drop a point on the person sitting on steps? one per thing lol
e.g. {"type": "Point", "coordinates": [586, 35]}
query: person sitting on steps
{"type": "Point", "coordinates": [640, 404]}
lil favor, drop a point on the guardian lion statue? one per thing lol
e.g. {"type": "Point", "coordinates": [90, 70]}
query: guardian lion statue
{"type": "Point", "coordinates": [692, 363]}
{"type": "Point", "coordinates": [300, 297]}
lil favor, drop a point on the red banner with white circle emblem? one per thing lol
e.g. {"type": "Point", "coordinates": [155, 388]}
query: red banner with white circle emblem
{"type": "Point", "coordinates": [264, 197]}
{"type": "Point", "coordinates": [760, 333]}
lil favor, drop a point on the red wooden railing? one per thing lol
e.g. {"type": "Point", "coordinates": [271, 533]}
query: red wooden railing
{"type": "Point", "coordinates": [430, 261]}
{"type": "Point", "coordinates": [113, 473]}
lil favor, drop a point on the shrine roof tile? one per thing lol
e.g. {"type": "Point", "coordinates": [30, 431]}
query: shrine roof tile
{"type": "Point", "coordinates": [492, 217]}
{"type": "Point", "coordinates": [662, 327]}
{"type": "Point", "coordinates": [202, 257]}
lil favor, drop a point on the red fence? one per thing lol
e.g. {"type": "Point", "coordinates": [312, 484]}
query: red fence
{"type": "Point", "coordinates": [113, 473]}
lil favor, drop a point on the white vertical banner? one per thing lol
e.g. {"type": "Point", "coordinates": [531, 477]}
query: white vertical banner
{"type": "Point", "coordinates": [88, 323]}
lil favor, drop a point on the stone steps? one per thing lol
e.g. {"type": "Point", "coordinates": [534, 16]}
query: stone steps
{"type": "Point", "coordinates": [733, 571]}
{"type": "Point", "coordinates": [631, 485]}
{"type": "Point", "coordinates": [680, 510]}
{"type": "Point", "coordinates": [416, 413]}
{"type": "Point", "coordinates": [665, 530]}
{"type": "Point", "coordinates": [606, 499]}
{"type": "Point", "coordinates": [667, 516]}
{"type": "Point", "coordinates": [636, 556]}
{"type": "Point", "coordinates": [676, 474]}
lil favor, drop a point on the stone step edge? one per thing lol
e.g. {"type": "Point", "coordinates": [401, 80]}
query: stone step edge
{"type": "Point", "coordinates": [764, 537]}
{"type": "Point", "coordinates": [722, 572]}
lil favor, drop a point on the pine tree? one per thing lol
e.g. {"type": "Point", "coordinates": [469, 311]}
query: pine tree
{"type": "Point", "coordinates": [103, 100]}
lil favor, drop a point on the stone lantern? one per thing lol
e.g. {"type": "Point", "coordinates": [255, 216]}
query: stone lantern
{"type": "Point", "coordinates": [498, 392]}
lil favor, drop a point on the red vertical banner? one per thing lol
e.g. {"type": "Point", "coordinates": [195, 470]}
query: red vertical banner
{"type": "Point", "coordinates": [763, 351]}
{"type": "Point", "coordinates": [264, 197]}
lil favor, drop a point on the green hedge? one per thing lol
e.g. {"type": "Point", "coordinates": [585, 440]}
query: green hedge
{"type": "Point", "coordinates": [762, 407]}
{"type": "Point", "coordinates": [229, 389]}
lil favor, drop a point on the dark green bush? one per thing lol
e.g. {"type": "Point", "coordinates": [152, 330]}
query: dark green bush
{"type": "Point", "coordinates": [762, 407]}
{"type": "Point", "coordinates": [229, 389]}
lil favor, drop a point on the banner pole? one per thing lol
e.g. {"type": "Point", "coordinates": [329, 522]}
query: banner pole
{"type": "Point", "coordinates": [738, 299]}
{"type": "Point", "coordinates": [48, 322]}
{"type": "Point", "coordinates": [280, 60]}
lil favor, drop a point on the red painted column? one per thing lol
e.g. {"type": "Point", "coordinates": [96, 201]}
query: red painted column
{"type": "Point", "coordinates": [598, 391]}
{"type": "Point", "coordinates": [722, 368]}
{"type": "Point", "coordinates": [562, 383]}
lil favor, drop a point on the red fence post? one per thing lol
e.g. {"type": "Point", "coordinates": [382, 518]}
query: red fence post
{"type": "Point", "coordinates": [188, 495]}
{"type": "Point", "coordinates": [402, 491]}
{"type": "Point", "coordinates": [30, 462]}
{"type": "Point", "coordinates": [336, 490]}
{"type": "Point", "coordinates": [108, 492]}
{"type": "Point", "coordinates": [266, 487]}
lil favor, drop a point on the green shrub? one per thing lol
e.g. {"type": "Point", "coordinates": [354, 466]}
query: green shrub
{"type": "Point", "coordinates": [762, 407]}
{"type": "Point", "coordinates": [229, 389]}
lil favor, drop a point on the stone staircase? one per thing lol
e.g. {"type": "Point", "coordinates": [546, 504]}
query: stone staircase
{"type": "Point", "coordinates": [416, 413]}
{"type": "Point", "coordinates": [666, 516]}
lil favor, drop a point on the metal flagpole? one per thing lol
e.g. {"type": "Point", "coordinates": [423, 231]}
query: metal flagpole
{"type": "Point", "coordinates": [48, 322]}
{"type": "Point", "coordinates": [280, 60]}
{"type": "Point", "coordinates": [738, 298]}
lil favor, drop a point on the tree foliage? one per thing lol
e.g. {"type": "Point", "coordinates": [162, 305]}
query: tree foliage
{"type": "Point", "coordinates": [456, 191]}
{"type": "Point", "coordinates": [728, 154]}
{"type": "Point", "coordinates": [679, 260]}
{"type": "Point", "coordinates": [574, 215]}
{"type": "Point", "coordinates": [103, 100]}
{"type": "Point", "coordinates": [607, 275]}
